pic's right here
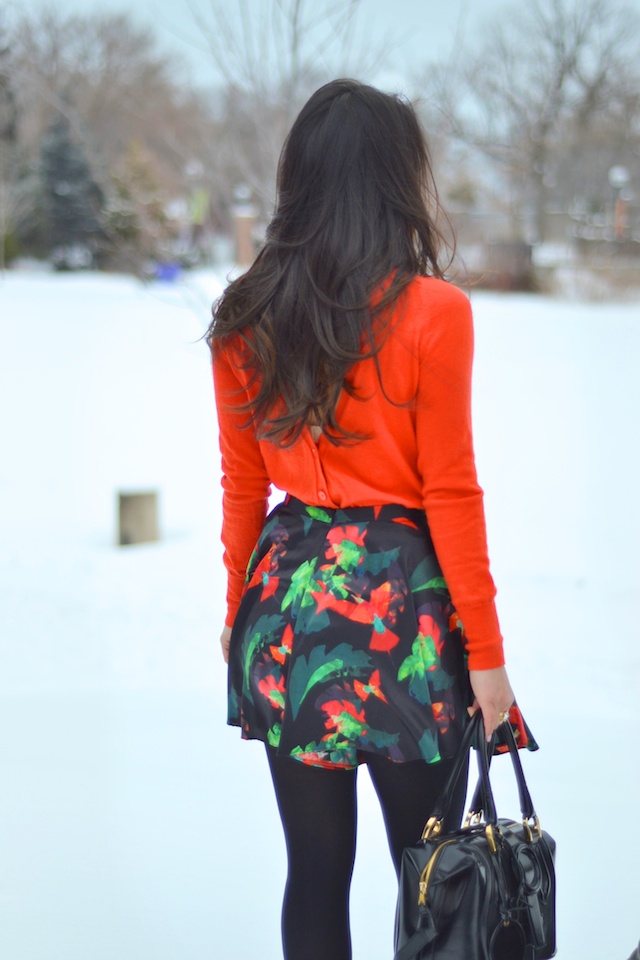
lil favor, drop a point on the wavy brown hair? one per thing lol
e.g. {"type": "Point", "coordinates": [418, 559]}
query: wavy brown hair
{"type": "Point", "coordinates": [354, 224]}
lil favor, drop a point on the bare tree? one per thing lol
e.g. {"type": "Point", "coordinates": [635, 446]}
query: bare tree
{"type": "Point", "coordinates": [121, 98]}
{"type": "Point", "coordinates": [543, 87]}
{"type": "Point", "coordinates": [106, 75]}
{"type": "Point", "coordinates": [271, 55]}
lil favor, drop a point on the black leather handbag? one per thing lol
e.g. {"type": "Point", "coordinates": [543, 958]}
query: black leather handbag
{"type": "Point", "coordinates": [485, 891]}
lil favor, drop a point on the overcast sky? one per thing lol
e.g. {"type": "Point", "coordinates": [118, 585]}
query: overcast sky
{"type": "Point", "coordinates": [418, 30]}
{"type": "Point", "coordinates": [415, 32]}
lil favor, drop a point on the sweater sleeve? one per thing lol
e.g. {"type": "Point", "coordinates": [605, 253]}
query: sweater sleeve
{"type": "Point", "coordinates": [452, 498]}
{"type": "Point", "coordinates": [245, 482]}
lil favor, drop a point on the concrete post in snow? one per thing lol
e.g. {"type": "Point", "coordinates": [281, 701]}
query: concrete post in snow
{"type": "Point", "coordinates": [137, 518]}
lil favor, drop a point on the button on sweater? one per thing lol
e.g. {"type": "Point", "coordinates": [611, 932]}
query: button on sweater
{"type": "Point", "coordinates": [418, 452]}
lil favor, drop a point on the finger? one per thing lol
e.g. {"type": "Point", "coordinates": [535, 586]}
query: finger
{"type": "Point", "coordinates": [490, 716]}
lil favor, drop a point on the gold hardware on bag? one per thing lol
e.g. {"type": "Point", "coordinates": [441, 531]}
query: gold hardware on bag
{"type": "Point", "coordinates": [432, 828]}
{"type": "Point", "coordinates": [473, 818]}
{"type": "Point", "coordinates": [527, 828]}
{"type": "Point", "coordinates": [491, 840]}
{"type": "Point", "coordinates": [425, 876]}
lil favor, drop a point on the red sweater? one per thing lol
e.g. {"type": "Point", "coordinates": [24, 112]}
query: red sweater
{"type": "Point", "coordinates": [419, 453]}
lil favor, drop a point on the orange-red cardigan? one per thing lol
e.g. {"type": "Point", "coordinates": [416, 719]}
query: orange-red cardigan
{"type": "Point", "coordinates": [418, 452]}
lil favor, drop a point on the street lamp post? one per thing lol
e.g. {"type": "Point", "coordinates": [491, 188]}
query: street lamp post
{"type": "Point", "coordinates": [618, 180]}
{"type": "Point", "coordinates": [244, 217]}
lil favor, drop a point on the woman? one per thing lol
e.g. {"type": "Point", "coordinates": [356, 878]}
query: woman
{"type": "Point", "coordinates": [342, 367]}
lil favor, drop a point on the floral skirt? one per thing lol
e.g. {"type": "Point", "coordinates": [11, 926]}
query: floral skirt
{"type": "Point", "coordinates": [346, 641]}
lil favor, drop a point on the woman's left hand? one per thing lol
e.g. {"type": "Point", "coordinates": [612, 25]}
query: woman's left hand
{"type": "Point", "coordinates": [225, 639]}
{"type": "Point", "coordinates": [493, 695]}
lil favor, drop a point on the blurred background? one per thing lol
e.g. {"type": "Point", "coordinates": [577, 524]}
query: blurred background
{"type": "Point", "coordinates": [138, 149]}
{"type": "Point", "coordinates": [135, 136]}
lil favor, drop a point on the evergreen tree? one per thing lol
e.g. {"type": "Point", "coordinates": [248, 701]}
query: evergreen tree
{"type": "Point", "coordinates": [8, 109]}
{"type": "Point", "coordinates": [73, 200]}
{"type": "Point", "coordinates": [8, 139]}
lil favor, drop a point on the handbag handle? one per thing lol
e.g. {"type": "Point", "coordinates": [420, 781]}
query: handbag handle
{"type": "Point", "coordinates": [483, 794]}
{"type": "Point", "coordinates": [443, 803]}
{"type": "Point", "coordinates": [526, 803]}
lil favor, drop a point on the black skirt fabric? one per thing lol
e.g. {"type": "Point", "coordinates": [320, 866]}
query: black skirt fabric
{"type": "Point", "coordinates": [346, 641]}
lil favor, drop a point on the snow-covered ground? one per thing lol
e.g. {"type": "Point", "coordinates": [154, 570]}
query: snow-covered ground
{"type": "Point", "coordinates": [133, 823]}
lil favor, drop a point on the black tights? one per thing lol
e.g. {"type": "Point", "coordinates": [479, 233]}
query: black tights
{"type": "Point", "coordinates": [318, 811]}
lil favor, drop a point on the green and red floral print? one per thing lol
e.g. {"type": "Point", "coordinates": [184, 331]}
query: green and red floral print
{"type": "Point", "coordinates": [347, 642]}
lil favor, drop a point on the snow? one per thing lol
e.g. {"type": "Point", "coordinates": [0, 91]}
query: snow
{"type": "Point", "coordinates": [133, 822]}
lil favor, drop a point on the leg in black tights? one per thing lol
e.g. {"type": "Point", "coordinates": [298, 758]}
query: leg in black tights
{"type": "Point", "coordinates": [407, 793]}
{"type": "Point", "coordinates": [318, 811]}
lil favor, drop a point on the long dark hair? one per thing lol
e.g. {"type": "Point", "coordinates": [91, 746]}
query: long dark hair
{"type": "Point", "coordinates": [355, 222]}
